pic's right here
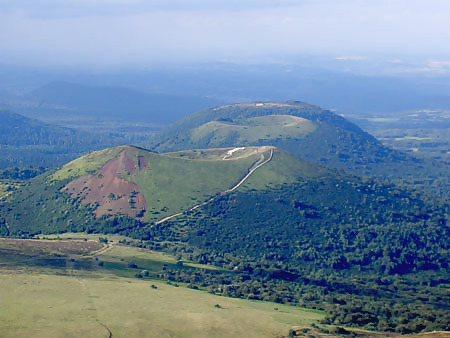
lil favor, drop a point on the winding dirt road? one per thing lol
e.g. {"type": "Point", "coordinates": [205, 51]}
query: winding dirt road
{"type": "Point", "coordinates": [259, 164]}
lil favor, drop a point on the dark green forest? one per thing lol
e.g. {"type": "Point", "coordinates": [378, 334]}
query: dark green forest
{"type": "Point", "coordinates": [27, 142]}
{"type": "Point", "coordinates": [370, 254]}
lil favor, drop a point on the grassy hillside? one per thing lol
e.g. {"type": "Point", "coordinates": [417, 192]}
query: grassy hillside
{"type": "Point", "coordinates": [253, 129]}
{"type": "Point", "coordinates": [164, 183]}
{"type": "Point", "coordinates": [308, 132]}
{"type": "Point", "coordinates": [49, 293]}
{"type": "Point", "coordinates": [141, 185]}
{"type": "Point", "coordinates": [372, 255]}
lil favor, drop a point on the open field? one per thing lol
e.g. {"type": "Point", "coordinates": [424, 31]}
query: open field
{"type": "Point", "coordinates": [37, 247]}
{"type": "Point", "coordinates": [71, 288]}
{"type": "Point", "coordinates": [127, 253]}
{"type": "Point", "coordinates": [73, 300]}
{"type": "Point", "coordinates": [430, 143]}
{"type": "Point", "coordinates": [84, 252]}
{"type": "Point", "coordinates": [44, 305]}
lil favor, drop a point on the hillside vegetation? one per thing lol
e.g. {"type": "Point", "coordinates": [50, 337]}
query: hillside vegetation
{"type": "Point", "coordinates": [308, 132]}
{"type": "Point", "coordinates": [132, 182]}
{"type": "Point", "coordinates": [28, 142]}
{"type": "Point", "coordinates": [71, 288]}
{"type": "Point", "coordinates": [292, 232]}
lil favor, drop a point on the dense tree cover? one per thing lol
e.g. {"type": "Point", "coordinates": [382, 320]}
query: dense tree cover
{"type": "Point", "coordinates": [25, 142]}
{"type": "Point", "coordinates": [372, 255]}
{"type": "Point", "coordinates": [336, 142]}
{"type": "Point", "coordinates": [20, 173]}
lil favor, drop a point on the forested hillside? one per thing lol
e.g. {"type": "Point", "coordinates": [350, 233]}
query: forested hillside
{"type": "Point", "coordinates": [25, 142]}
{"type": "Point", "coordinates": [372, 255]}
{"type": "Point", "coordinates": [308, 132]}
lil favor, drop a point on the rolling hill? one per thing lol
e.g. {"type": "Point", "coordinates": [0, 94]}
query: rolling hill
{"type": "Point", "coordinates": [146, 186]}
{"type": "Point", "coordinates": [306, 131]}
{"type": "Point", "coordinates": [278, 228]}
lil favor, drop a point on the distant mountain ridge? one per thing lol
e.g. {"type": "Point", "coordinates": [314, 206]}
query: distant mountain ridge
{"type": "Point", "coordinates": [18, 130]}
{"type": "Point", "coordinates": [61, 100]}
{"type": "Point", "coordinates": [25, 141]}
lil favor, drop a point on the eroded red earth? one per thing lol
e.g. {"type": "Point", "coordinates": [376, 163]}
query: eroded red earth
{"type": "Point", "coordinates": [111, 193]}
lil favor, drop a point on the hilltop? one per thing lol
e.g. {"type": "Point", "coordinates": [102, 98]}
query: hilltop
{"type": "Point", "coordinates": [146, 186]}
{"type": "Point", "coordinates": [278, 227]}
{"type": "Point", "coordinates": [149, 186]}
{"type": "Point", "coordinates": [306, 131]}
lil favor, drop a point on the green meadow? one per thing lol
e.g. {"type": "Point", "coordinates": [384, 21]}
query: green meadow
{"type": "Point", "coordinates": [93, 296]}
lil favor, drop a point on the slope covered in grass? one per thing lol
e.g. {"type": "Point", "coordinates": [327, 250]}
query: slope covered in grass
{"type": "Point", "coordinates": [306, 131]}
{"type": "Point", "coordinates": [143, 185]}
{"type": "Point", "coordinates": [293, 232]}
{"type": "Point", "coordinates": [49, 293]}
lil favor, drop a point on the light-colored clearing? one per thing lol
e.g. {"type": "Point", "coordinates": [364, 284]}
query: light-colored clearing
{"type": "Point", "coordinates": [254, 129]}
{"type": "Point", "coordinates": [41, 305]}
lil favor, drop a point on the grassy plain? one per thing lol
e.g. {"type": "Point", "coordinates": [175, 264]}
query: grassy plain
{"type": "Point", "coordinates": [122, 253]}
{"type": "Point", "coordinates": [427, 142]}
{"type": "Point", "coordinates": [47, 305]}
{"type": "Point", "coordinates": [68, 300]}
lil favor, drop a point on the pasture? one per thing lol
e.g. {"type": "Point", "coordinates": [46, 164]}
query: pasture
{"type": "Point", "coordinates": [76, 297]}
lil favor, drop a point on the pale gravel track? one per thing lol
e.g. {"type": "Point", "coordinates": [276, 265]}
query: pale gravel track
{"type": "Point", "coordinates": [222, 193]}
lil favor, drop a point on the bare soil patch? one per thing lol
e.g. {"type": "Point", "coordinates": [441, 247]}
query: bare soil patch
{"type": "Point", "coordinates": [111, 193]}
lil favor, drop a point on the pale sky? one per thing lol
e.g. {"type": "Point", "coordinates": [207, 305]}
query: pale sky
{"type": "Point", "coordinates": [118, 32]}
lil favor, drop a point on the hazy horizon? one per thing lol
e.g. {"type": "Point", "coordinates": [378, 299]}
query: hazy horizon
{"type": "Point", "coordinates": [119, 33]}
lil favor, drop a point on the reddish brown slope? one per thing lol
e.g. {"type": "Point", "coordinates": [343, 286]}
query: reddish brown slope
{"type": "Point", "coordinates": [111, 193]}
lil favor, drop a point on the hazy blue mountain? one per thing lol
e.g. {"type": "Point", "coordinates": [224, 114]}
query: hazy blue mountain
{"type": "Point", "coordinates": [63, 100]}
{"type": "Point", "coordinates": [25, 141]}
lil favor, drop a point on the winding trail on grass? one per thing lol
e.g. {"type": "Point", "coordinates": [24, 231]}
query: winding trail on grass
{"type": "Point", "coordinates": [260, 163]}
{"type": "Point", "coordinates": [101, 251]}
{"type": "Point", "coordinates": [90, 302]}
{"type": "Point", "coordinates": [110, 333]}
